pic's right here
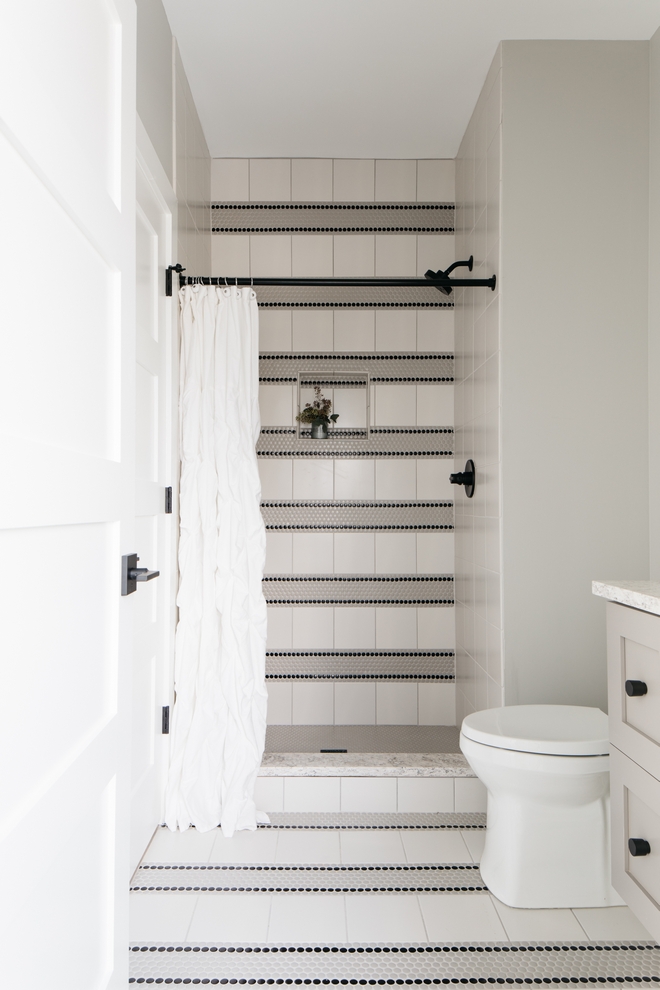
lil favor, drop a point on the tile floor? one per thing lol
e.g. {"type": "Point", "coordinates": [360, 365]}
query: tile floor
{"type": "Point", "coordinates": [189, 917]}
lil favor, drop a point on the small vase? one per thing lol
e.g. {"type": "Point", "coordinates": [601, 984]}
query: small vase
{"type": "Point", "coordinates": [319, 431]}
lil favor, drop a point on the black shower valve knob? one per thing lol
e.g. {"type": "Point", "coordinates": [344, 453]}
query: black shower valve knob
{"type": "Point", "coordinates": [465, 478]}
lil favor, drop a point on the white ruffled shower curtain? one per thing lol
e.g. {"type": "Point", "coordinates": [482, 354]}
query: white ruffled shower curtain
{"type": "Point", "coordinates": [219, 718]}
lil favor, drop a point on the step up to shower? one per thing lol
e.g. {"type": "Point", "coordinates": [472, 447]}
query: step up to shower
{"type": "Point", "coordinates": [360, 665]}
{"type": "Point", "coordinates": [283, 441]}
{"type": "Point", "coordinates": [360, 590]}
{"type": "Point", "coordinates": [283, 368]}
{"type": "Point", "coordinates": [336, 516]}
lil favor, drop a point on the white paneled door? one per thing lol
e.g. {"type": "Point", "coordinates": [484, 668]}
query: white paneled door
{"type": "Point", "coordinates": [154, 535]}
{"type": "Point", "coordinates": [68, 490]}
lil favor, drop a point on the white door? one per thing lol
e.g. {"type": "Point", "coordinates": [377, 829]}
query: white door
{"type": "Point", "coordinates": [67, 451]}
{"type": "Point", "coordinates": [154, 470]}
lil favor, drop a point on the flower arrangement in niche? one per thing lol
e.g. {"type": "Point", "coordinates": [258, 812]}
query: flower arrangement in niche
{"type": "Point", "coordinates": [318, 415]}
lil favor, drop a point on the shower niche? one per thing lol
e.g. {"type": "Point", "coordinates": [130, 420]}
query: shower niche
{"type": "Point", "coordinates": [350, 394]}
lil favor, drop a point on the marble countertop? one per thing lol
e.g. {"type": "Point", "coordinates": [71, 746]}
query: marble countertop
{"type": "Point", "coordinates": [644, 595]}
{"type": "Point", "coordinates": [365, 765]}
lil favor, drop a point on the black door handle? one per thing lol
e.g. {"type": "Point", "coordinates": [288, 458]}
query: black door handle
{"type": "Point", "coordinates": [131, 573]}
{"type": "Point", "coordinates": [635, 689]}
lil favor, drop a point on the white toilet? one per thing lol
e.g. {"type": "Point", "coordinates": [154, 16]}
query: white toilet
{"type": "Point", "coordinates": [546, 770]}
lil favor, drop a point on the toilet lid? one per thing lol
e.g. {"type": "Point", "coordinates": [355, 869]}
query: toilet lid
{"type": "Point", "coordinates": [560, 730]}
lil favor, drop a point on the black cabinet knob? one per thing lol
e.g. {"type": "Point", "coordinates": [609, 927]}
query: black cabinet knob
{"type": "Point", "coordinates": [639, 847]}
{"type": "Point", "coordinates": [635, 689]}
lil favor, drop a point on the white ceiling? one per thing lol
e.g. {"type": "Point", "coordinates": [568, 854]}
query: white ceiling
{"type": "Point", "coordinates": [364, 78]}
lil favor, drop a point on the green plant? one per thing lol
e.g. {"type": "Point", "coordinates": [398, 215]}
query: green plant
{"type": "Point", "coordinates": [317, 411]}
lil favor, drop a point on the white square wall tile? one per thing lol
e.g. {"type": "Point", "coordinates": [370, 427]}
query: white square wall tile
{"type": "Point", "coordinates": [435, 330]}
{"type": "Point", "coordinates": [396, 254]}
{"type": "Point", "coordinates": [312, 479]}
{"type": "Point", "coordinates": [396, 704]}
{"type": "Point", "coordinates": [279, 553]}
{"type": "Point", "coordinates": [354, 479]}
{"type": "Point", "coordinates": [312, 553]}
{"type": "Point", "coordinates": [435, 553]}
{"type": "Point", "coordinates": [276, 405]}
{"type": "Point", "coordinates": [354, 553]}
{"type": "Point", "coordinates": [274, 330]}
{"type": "Point", "coordinates": [396, 180]}
{"type": "Point", "coordinates": [312, 628]}
{"type": "Point", "coordinates": [353, 180]}
{"type": "Point", "coordinates": [312, 255]}
{"type": "Point", "coordinates": [396, 628]}
{"type": "Point", "coordinates": [425, 794]}
{"type": "Point", "coordinates": [311, 180]}
{"type": "Point", "coordinates": [270, 180]}
{"type": "Point", "coordinates": [313, 703]}
{"type": "Point", "coordinates": [437, 251]}
{"type": "Point", "coordinates": [270, 255]}
{"type": "Point", "coordinates": [396, 478]}
{"type": "Point", "coordinates": [469, 794]}
{"type": "Point", "coordinates": [350, 404]}
{"type": "Point", "coordinates": [396, 330]}
{"type": "Point", "coordinates": [371, 794]}
{"type": "Point", "coordinates": [435, 405]}
{"type": "Point", "coordinates": [279, 703]}
{"type": "Point", "coordinates": [230, 180]}
{"type": "Point", "coordinates": [437, 703]}
{"type": "Point", "coordinates": [395, 405]}
{"type": "Point", "coordinates": [354, 255]}
{"type": "Point", "coordinates": [436, 628]}
{"type": "Point", "coordinates": [396, 553]}
{"type": "Point", "coordinates": [355, 628]}
{"type": "Point", "coordinates": [276, 478]}
{"type": "Point", "coordinates": [279, 636]}
{"type": "Point", "coordinates": [355, 703]}
{"type": "Point", "coordinates": [269, 793]}
{"type": "Point", "coordinates": [433, 479]}
{"type": "Point", "coordinates": [230, 254]}
{"type": "Point", "coordinates": [435, 180]}
{"type": "Point", "coordinates": [311, 794]}
{"type": "Point", "coordinates": [312, 330]}
{"type": "Point", "coordinates": [354, 330]}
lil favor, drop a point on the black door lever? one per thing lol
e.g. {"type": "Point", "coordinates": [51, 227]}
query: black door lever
{"type": "Point", "coordinates": [131, 573]}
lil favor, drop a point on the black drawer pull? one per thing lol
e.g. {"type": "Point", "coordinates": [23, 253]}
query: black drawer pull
{"type": "Point", "coordinates": [639, 847]}
{"type": "Point", "coordinates": [635, 689]}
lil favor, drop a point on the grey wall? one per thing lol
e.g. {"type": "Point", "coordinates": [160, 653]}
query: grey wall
{"type": "Point", "coordinates": [155, 79]}
{"type": "Point", "coordinates": [654, 303]}
{"type": "Point", "coordinates": [574, 289]}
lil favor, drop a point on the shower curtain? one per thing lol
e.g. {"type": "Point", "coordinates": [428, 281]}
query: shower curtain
{"type": "Point", "coordinates": [219, 717]}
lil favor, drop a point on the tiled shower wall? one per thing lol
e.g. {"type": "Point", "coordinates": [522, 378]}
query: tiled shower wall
{"type": "Point", "coordinates": [479, 641]}
{"type": "Point", "coordinates": [345, 330]}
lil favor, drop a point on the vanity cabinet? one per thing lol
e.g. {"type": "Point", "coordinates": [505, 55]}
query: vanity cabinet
{"type": "Point", "coordinates": [633, 660]}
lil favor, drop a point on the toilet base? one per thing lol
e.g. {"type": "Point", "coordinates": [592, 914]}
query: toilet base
{"type": "Point", "coordinates": [548, 832]}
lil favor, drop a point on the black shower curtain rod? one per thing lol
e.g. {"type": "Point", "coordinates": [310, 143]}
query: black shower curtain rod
{"type": "Point", "coordinates": [439, 280]}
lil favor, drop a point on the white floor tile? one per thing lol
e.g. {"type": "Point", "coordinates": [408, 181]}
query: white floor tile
{"type": "Point", "coordinates": [298, 846]}
{"type": "Point", "coordinates": [461, 917]}
{"type": "Point", "coordinates": [384, 918]}
{"type": "Point", "coordinates": [372, 847]}
{"type": "Point", "coordinates": [435, 847]}
{"type": "Point", "coordinates": [610, 922]}
{"type": "Point", "coordinates": [245, 847]}
{"type": "Point", "coordinates": [160, 917]}
{"type": "Point", "coordinates": [475, 840]}
{"type": "Point", "coordinates": [307, 918]}
{"type": "Point", "coordinates": [230, 918]}
{"type": "Point", "coordinates": [522, 925]}
{"type": "Point", "coordinates": [180, 847]}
